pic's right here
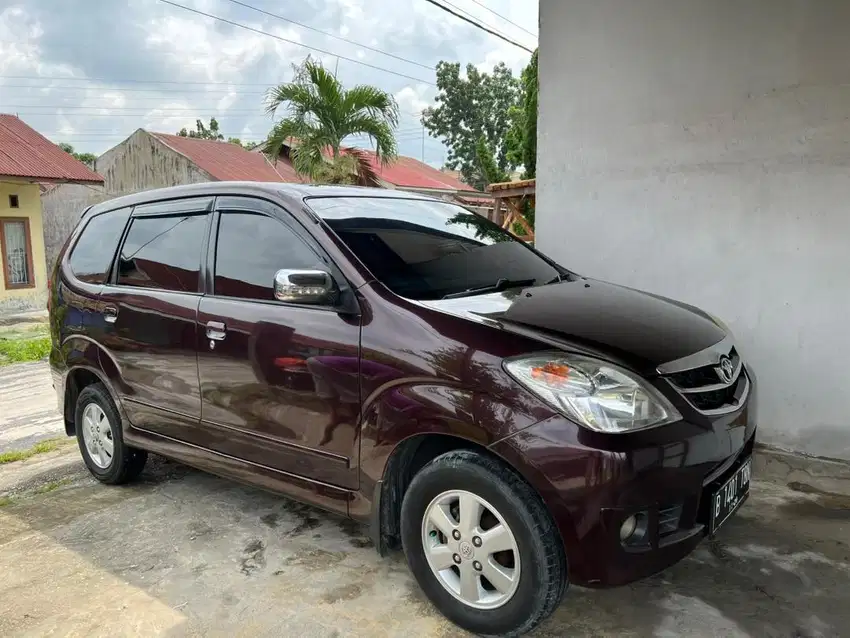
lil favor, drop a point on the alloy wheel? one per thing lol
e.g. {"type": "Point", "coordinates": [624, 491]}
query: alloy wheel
{"type": "Point", "coordinates": [97, 435]}
{"type": "Point", "coordinates": [471, 549]}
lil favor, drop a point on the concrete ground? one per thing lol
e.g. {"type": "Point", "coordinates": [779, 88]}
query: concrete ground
{"type": "Point", "coordinates": [182, 553]}
{"type": "Point", "coordinates": [28, 408]}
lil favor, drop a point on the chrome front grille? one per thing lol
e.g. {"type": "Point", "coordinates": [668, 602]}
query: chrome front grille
{"type": "Point", "coordinates": [706, 378]}
{"type": "Point", "coordinates": [702, 380]}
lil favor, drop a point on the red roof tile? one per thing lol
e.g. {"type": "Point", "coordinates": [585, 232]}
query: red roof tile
{"type": "Point", "coordinates": [226, 161]}
{"type": "Point", "coordinates": [406, 171]}
{"type": "Point", "coordinates": [28, 154]}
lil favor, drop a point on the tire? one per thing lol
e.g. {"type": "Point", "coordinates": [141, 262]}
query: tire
{"type": "Point", "coordinates": [124, 463]}
{"type": "Point", "coordinates": [542, 576]}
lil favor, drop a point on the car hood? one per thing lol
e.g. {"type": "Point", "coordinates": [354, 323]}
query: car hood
{"type": "Point", "coordinates": [640, 327]}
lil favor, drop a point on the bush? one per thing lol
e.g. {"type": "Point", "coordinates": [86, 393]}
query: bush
{"type": "Point", "coordinates": [19, 350]}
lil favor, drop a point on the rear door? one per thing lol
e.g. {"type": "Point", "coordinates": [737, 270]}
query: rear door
{"type": "Point", "coordinates": [149, 311]}
{"type": "Point", "coordinates": [279, 381]}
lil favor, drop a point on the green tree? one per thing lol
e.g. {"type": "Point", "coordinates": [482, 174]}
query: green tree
{"type": "Point", "coordinates": [86, 158]}
{"type": "Point", "coordinates": [320, 114]}
{"type": "Point", "coordinates": [468, 108]}
{"type": "Point", "coordinates": [203, 132]}
{"type": "Point", "coordinates": [248, 146]}
{"type": "Point", "coordinates": [522, 135]}
{"type": "Point", "coordinates": [487, 168]}
{"type": "Point", "coordinates": [529, 146]}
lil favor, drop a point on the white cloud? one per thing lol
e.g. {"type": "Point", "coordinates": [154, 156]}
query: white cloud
{"type": "Point", "coordinates": [207, 68]}
{"type": "Point", "coordinates": [411, 99]}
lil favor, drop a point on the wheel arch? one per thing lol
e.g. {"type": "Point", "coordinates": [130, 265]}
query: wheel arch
{"type": "Point", "coordinates": [87, 363]}
{"type": "Point", "coordinates": [407, 458]}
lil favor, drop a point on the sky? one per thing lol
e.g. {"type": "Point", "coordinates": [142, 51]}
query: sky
{"type": "Point", "coordinates": [90, 72]}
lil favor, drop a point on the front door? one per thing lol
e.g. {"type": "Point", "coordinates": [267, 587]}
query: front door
{"type": "Point", "coordinates": [279, 382]}
{"type": "Point", "coordinates": [149, 315]}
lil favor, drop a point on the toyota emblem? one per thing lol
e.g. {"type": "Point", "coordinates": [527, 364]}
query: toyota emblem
{"type": "Point", "coordinates": [726, 371]}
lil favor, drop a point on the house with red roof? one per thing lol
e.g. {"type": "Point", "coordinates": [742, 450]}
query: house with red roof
{"type": "Point", "coordinates": [28, 161]}
{"type": "Point", "coordinates": [147, 160]}
{"type": "Point", "coordinates": [404, 173]}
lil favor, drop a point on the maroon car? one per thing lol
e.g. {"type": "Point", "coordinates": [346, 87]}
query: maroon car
{"type": "Point", "coordinates": [399, 360]}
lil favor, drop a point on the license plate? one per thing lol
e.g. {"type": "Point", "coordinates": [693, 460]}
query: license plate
{"type": "Point", "coordinates": [729, 497]}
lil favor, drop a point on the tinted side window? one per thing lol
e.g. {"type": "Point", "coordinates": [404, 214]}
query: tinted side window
{"type": "Point", "coordinates": [251, 249]}
{"type": "Point", "coordinates": [163, 252]}
{"type": "Point", "coordinates": [92, 255]}
{"type": "Point", "coordinates": [426, 249]}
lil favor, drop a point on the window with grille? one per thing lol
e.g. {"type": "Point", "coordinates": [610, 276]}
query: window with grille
{"type": "Point", "coordinates": [17, 253]}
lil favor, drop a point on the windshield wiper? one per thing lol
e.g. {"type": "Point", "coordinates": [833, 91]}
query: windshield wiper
{"type": "Point", "coordinates": [501, 284]}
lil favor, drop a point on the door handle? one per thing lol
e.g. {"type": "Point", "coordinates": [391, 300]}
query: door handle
{"type": "Point", "coordinates": [216, 330]}
{"type": "Point", "coordinates": [110, 314]}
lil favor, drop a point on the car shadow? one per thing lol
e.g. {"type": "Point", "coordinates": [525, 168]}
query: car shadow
{"type": "Point", "coordinates": [225, 558]}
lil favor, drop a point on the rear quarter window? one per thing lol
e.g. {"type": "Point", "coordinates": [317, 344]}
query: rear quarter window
{"type": "Point", "coordinates": [92, 255]}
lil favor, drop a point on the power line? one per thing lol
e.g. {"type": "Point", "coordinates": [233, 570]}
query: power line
{"type": "Point", "coordinates": [131, 111]}
{"type": "Point", "coordinates": [189, 114]}
{"type": "Point", "coordinates": [330, 35]}
{"type": "Point", "coordinates": [125, 90]}
{"type": "Point", "coordinates": [499, 15]}
{"type": "Point", "coordinates": [470, 21]}
{"type": "Point", "coordinates": [259, 110]}
{"type": "Point", "coordinates": [75, 79]}
{"type": "Point", "coordinates": [306, 46]}
{"type": "Point", "coordinates": [473, 17]}
{"type": "Point", "coordinates": [103, 133]}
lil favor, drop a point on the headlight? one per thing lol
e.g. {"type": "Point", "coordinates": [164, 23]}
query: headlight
{"type": "Point", "coordinates": [594, 393]}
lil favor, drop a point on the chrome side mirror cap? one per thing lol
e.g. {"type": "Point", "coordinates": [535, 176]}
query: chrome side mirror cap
{"type": "Point", "coordinates": [304, 286]}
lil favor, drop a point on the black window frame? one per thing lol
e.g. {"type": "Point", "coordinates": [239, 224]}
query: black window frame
{"type": "Point", "coordinates": [258, 206]}
{"type": "Point", "coordinates": [66, 257]}
{"type": "Point", "coordinates": [183, 207]}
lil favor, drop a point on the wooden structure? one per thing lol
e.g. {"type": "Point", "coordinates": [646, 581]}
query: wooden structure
{"type": "Point", "coordinates": [513, 194]}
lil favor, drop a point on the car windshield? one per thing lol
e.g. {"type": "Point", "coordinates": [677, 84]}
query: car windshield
{"type": "Point", "coordinates": [424, 249]}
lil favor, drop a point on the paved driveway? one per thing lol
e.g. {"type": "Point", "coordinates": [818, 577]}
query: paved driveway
{"type": "Point", "coordinates": [28, 411]}
{"type": "Point", "coordinates": [182, 553]}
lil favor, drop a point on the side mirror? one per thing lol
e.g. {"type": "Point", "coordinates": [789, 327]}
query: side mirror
{"type": "Point", "coordinates": [304, 286]}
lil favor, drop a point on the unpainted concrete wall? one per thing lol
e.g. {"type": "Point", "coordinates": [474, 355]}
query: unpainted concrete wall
{"type": "Point", "coordinates": [62, 206]}
{"type": "Point", "coordinates": [700, 149]}
{"type": "Point", "coordinates": [141, 162]}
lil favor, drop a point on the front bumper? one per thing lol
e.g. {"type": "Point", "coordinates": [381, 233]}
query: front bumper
{"type": "Point", "coordinates": [592, 482]}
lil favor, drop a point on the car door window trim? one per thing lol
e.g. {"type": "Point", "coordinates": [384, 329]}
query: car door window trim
{"type": "Point", "coordinates": [254, 206]}
{"type": "Point", "coordinates": [112, 280]}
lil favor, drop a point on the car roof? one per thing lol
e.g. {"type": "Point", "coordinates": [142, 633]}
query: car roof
{"type": "Point", "coordinates": [294, 193]}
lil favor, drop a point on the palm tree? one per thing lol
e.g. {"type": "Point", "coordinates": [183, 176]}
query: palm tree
{"type": "Point", "coordinates": [321, 113]}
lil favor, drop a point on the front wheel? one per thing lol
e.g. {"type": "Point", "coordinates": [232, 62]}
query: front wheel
{"type": "Point", "coordinates": [481, 545]}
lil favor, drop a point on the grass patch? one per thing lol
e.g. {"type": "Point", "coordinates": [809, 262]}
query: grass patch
{"type": "Point", "coordinates": [4, 501]}
{"type": "Point", "coordinates": [23, 349]}
{"type": "Point", "coordinates": [41, 447]}
{"type": "Point", "coordinates": [53, 485]}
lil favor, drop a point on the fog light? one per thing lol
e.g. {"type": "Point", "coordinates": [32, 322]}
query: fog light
{"type": "Point", "coordinates": [633, 531]}
{"type": "Point", "coordinates": [628, 528]}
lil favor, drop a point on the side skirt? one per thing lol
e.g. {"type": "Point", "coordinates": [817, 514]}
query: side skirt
{"type": "Point", "coordinates": [328, 497]}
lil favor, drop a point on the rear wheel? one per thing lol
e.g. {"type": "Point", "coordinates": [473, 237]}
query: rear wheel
{"type": "Point", "coordinates": [101, 442]}
{"type": "Point", "coordinates": [481, 545]}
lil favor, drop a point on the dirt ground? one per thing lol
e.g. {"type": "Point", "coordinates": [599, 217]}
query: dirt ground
{"type": "Point", "coordinates": [183, 553]}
